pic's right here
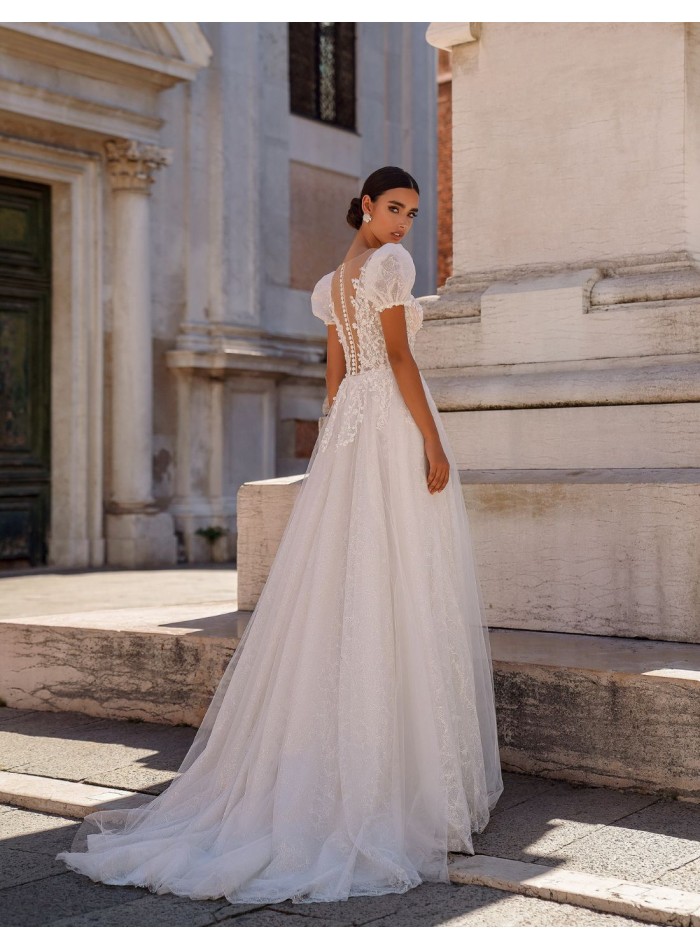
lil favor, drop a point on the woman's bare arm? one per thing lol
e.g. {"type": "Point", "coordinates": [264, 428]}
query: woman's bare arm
{"type": "Point", "coordinates": [335, 363]}
{"type": "Point", "coordinates": [410, 384]}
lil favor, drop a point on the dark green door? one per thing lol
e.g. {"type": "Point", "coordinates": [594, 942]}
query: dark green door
{"type": "Point", "coordinates": [25, 366]}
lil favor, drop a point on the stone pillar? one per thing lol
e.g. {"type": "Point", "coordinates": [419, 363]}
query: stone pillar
{"type": "Point", "coordinates": [139, 534]}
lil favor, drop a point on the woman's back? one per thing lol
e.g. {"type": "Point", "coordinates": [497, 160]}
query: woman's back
{"type": "Point", "coordinates": [352, 297]}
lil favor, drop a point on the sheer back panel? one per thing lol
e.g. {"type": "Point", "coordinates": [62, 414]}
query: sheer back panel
{"type": "Point", "coordinates": [344, 285]}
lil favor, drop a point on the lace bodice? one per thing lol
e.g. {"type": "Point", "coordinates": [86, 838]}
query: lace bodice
{"type": "Point", "coordinates": [352, 297]}
{"type": "Point", "coordinates": [353, 303]}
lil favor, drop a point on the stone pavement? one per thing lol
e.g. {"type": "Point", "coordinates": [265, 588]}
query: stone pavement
{"type": "Point", "coordinates": [539, 823]}
{"type": "Point", "coordinates": [553, 854]}
{"type": "Point", "coordinates": [46, 591]}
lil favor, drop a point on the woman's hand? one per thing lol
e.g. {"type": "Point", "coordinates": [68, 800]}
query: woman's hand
{"type": "Point", "coordinates": [438, 465]}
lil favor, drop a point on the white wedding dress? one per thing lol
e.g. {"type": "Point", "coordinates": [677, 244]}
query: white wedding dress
{"type": "Point", "coordinates": [351, 742]}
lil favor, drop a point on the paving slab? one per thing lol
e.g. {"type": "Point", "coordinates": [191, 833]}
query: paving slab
{"type": "Point", "coordinates": [686, 876]}
{"type": "Point", "coordinates": [514, 910]}
{"type": "Point", "coordinates": [39, 902]}
{"type": "Point", "coordinates": [547, 822]}
{"type": "Point", "coordinates": [522, 787]}
{"type": "Point", "coordinates": [35, 831]}
{"type": "Point", "coordinates": [157, 910]}
{"type": "Point", "coordinates": [69, 899]}
{"type": "Point", "coordinates": [19, 867]}
{"type": "Point", "coordinates": [267, 917]}
{"type": "Point", "coordinates": [432, 905]}
{"type": "Point", "coordinates": [140, 756]}
{"type": "Point", "coordinates": [641, 846]}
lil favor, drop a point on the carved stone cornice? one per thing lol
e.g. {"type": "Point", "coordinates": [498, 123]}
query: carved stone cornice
{"type": "Point", "coordinates": [131, 164]}
{"type": "Point", "coordinates": [448, 35]}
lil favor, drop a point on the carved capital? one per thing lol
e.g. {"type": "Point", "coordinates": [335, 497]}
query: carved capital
{"type": "Point", "coordinates": [131, 164]}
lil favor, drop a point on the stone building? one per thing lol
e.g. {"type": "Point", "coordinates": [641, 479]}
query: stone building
{"type": "Point", "coordinates": [169, 194]}
{"type": "Point", "coordinates": [564, 354]}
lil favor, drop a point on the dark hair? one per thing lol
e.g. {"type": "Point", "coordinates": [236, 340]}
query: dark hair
{"type": "Point", "coordinates": [381, 180]}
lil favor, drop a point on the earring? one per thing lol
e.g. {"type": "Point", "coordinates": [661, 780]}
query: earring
{"type": "Point", "coordinates": [366, 217]}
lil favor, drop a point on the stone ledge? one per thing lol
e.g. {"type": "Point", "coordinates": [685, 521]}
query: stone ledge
{"type": "Point", "coordinates": [644, 381]}
{"type": "Point", "coordinates": [612, 284]}
{"type": "Point", "coordinates": [648, 902]}
{"type": "Point", "coordinates": [579, 476]}
{"type": "Point", "coordinates": [605, 711]}
{"type": "Point", "coordinates": [59, 797]}
{"type": "Point", "coordinates": [152, 664]}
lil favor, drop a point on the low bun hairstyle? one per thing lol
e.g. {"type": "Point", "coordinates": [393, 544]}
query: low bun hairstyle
{"type": "Point", "coordinates": [354, 215]}
{"type": "Point", "coordinates": [381, 180]}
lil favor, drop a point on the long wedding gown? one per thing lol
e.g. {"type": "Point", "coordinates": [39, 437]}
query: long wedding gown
{"type": "Point", "coordinates": [351, 742]}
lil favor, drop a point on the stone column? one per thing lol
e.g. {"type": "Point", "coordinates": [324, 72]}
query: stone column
{"type": "Point", "coordinates": [139, 534]}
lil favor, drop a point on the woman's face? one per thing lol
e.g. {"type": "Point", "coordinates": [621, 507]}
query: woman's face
{"type": "Point", "coordinates": [393, 214]}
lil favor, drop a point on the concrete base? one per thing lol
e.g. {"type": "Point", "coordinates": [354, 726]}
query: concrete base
{"type": "Point", "coordinates": [141, 540]}
{"type": "Point", "coordinates": [605, 711]}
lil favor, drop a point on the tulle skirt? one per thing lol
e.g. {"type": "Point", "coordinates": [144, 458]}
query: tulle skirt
{"type": "Point", "coordinates": [351, 742]}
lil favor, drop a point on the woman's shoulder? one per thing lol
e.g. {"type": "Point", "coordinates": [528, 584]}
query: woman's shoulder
{"type": "Point", "coordinates": [391, 258]}
{"type": "Point", "coordinates": [323, 281]}
{"type": "Point", "coordinates": [390, 275]}
{"type": "Point", "coordinates": [390, 250]}
{"type": "Point", "coordinates": [321, 298]}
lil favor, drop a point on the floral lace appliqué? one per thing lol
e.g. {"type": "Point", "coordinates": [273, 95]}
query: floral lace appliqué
{"type": "Point", "coordinates": [380, 284]}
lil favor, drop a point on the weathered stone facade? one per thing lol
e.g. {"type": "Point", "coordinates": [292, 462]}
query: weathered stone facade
{"type": "Point", "coordinates": [191, 214]}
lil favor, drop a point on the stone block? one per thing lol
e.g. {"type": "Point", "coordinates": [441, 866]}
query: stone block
{"type": "Point", "coordinates": [609, 552]}
{"type": "Point", "coordinates": [141, 540]}
{"type": "Point", "coordinates": [263, 511]}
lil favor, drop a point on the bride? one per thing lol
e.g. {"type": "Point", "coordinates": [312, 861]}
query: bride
{"type": "Point", "coordinates": [351, 742]}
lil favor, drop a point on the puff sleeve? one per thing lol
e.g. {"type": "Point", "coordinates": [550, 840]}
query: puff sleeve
{"type": "Point", "coordinates": [390, 276]}
{"type": "Point", "coordinates": [321, 299]}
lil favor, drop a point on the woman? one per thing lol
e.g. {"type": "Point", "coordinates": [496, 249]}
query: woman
{"type": "Point", "coordinates": [351, 742]}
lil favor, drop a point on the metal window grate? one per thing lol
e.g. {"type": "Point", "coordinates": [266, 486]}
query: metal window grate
{"type": "Point", "coordinates": [322, 72]}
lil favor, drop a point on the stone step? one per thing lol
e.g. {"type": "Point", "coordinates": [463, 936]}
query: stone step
{"type": "Point", "coordinates": [58, 797]}
{"type": "Point", "coordinates": [152, 664]}
{"type": "Point", "coordinates": [652, 903]}
{"type": "Point", "coordinates": [611, 711]}
{"type": "Point", "coordinates": [605, 711]}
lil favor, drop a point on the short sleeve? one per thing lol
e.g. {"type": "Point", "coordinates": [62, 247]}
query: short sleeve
{"type": "Point", "coordinates": [321, 299]}
{"type": "Point", "coordinates": [390, 276]}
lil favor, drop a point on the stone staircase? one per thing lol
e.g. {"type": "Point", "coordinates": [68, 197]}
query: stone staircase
{"type": "Point", "coordinates": [603, 709]}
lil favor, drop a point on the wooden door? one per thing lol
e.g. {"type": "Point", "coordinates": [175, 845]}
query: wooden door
{"type": "Point", "coordinates": [25, 370]}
